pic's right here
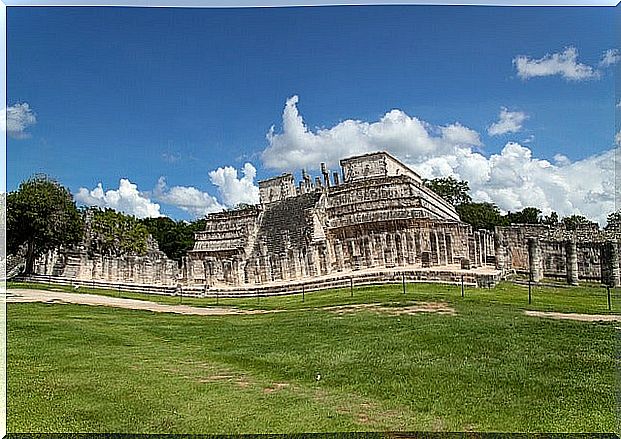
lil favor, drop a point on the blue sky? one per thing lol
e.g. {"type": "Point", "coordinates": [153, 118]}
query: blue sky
{"type": "Point", "coordinates": [145, 93]}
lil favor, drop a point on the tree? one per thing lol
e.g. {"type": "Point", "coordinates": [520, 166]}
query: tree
{"type": "Point", "coordinates": [480, 215]}
{"type": "Point", "coordinates": [452, 190]}
{"type": "Point", "coordinates": [572, 222]}
{"type": "Point", "coordinates": [613, 220]}
{"type": "Point", "coordinates": [115, 233]}
{"type": "Point", "coordinates": [550, 220]}
{"type": "Point", "coordinates": [173, 238]}
{"type": "Point", "coordinates": [528, 215]}
{"type": "Point", "coordinates": [41, 215]}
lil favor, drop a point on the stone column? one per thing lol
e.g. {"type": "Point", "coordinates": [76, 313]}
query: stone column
{"type": "Point", "coordinates": [609, 261]}
{"type": "Point", "coordinates": [400, 246]}
{"type": "Point", "coordinates": [571, 262]}
{"type": "Point", "coordinates": [534, 259]}
{"type": "Point", "coordinates": [500, 252]}
{"type": "Point", "coordinates": [338, 254]}
{"type": "Point", "coordinates": [383, 259]}
{"type": "Point", "coordinates": [369, 248]}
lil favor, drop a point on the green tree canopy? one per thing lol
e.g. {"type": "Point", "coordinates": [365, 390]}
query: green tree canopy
{"type": "Point", "coordinates": [572, 222]}
{"type": "Point", "coordinates": [42, 215]}
{"type": "Point", "coordinates": [480, 215]}
{"type": "Point", "coordinates": [451, 189]}
{"type": "Point", "coordinates": [613, 220]}
{"type": "Point", "coordinates": [115, 233]}
{"type": "Point", "coordinates": [528, 215]}
{"type": "Point", "coordinates": [174, 238]}
{"type": "Point", "coordinates": [551, 220]}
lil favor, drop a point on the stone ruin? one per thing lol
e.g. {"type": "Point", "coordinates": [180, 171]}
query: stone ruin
{"type": "Point", "coordinates": [374, 214]}
{"type": "Point", "coordinates": [372, 219]}
{"type": "Point", "coordinates": [587, 253]}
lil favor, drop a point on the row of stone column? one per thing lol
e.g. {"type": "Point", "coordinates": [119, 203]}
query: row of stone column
{"type": "Point", "coordinates": [609, 262]}
{"type": "Point", "coordinates": [387, 249]}
{"type": "Point", "coordinates": [481, 245]}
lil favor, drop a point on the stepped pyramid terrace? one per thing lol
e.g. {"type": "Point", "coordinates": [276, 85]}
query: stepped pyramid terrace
{"type": "Point", "coordinates": [372, 221]}
{"type": "Point", "coordinates": [373, 216]}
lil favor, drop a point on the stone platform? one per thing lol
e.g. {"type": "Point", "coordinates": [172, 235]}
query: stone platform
{"type": "Point", "coordinates": [447, 275]}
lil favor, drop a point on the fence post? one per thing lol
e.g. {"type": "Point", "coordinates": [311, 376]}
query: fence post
{"type": "Point", "coordinates": [530, 280]}
{"type": "Point", "coordinates": [462, 285]}
{"type": "Point", "coordinates": [351, 286]}
{"type": "Point", "coordinates": [302, 293]}
{"type": "Point", "coordinates": [403, 281]}
{"type": "Point", "coordinates": [608, 294]}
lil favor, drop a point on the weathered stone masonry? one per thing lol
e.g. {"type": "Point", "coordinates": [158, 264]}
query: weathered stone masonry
{"type": "Point", "coordinates": [372, 216]}
{"type": "Point", "coordinates": [586, 253]}
{"type": "Point", "coordinates": [377, 215]}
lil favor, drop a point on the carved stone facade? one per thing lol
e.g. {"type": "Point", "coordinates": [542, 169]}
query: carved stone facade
{"type": "Point", "coordinates": [373, 220]}
{"type": "Point", "coordinates": [379, 216]}
{"type": "Point", "coordinates": [153, 268]}
{"type": "Point", "coordinates": [586, 253]}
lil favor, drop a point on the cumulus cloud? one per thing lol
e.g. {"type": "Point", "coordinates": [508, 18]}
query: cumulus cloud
{"type": "Point", "coordinates": [125, 199]}
{"type": "Point", "coordinates": [15, 119]}
{"type": "Point", "coordinates": [508, 122]}
{"type": "Point", "coordinates": [512, 178]}
{"type": "Point", "coordinates": [610, 57]}
{"type": "Point", "coordinates": [298, 147]}
{"type": "Point", "coordinates": [234, 190]}
{"type": "Point", "coordinates": [188, 199]}
{"type": "Point", "coordinates": [564, 64]}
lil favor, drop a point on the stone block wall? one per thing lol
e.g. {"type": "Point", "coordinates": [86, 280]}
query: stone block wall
{"type": "Point", "coordinates": [153, 269]}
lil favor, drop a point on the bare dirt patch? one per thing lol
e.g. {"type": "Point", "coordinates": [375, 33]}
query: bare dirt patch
{"type": "Point", "coordinates": [417, 308]}
{"type": "Point", "coordinates": [575, 316]}
{"type": "Point", "coordinates": [32, 295]}
{"type": "Point", "coordinates": [275, 387]}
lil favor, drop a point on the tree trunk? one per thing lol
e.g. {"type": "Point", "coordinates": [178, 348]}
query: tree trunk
{"type": "Point", "coordinates": [30, 258]}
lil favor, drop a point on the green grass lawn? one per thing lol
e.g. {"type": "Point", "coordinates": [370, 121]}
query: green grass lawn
{"type": "Point", "coordinates": [75, 368]}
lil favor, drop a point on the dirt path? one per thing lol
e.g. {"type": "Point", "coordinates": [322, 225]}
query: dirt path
{"type": "Point", "coordinates": [31, 295]}
{"type": "Point", "coordinates": [573, 316]}
{"type": "Point", "coordinates": [432, 307]}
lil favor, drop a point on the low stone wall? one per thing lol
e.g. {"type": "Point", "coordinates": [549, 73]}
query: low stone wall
{"type": "Point", "coordinates": [78, 284]}
{"type": "Point", "coordinates": [152, 269]}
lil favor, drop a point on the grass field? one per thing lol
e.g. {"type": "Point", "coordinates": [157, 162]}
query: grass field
{"type": "Point", "coordinates": [488, 367]}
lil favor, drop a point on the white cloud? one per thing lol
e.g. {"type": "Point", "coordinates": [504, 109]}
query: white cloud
{"type": "Point", "coordinates": [610, 57]}
{"type": "Point", "coordinates": [125, 199]}
{"type": "Point", "coordinates": [405, 136]}
{"type": "Point", "coordinates": [234, 190]}
{"type": "Point", "coordinates": [513, 178]}
{"type": "Point", "coordinates": [619, 104]}
{"type": "Point", "coordinates": [508, 122]}
{"type": "Point", "coordinates": [618, 138]}
{"type": "Point", "coordinates": [15, 119]}
{"type": "Point", "coordinates": [188, 199]}
{"type": "Point", "coordinates": [564, 64]}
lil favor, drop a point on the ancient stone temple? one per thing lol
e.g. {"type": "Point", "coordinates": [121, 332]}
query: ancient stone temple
{"type": "Point", "coordinates": [374, 213]}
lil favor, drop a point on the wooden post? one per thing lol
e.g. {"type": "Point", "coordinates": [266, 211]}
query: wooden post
{"type": "Point", "coordinates": [403, 281]}
{"type": "Point", "coordinates": [608, 294]}
{"type": "Point", "coordinates": [529, 288]}
{"type": "Point", "coordinates": [302, 292]}
{"type": "Point", "coordinates": [351, 286]}
{"type": "Point", "coordinates": [462, 285]}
